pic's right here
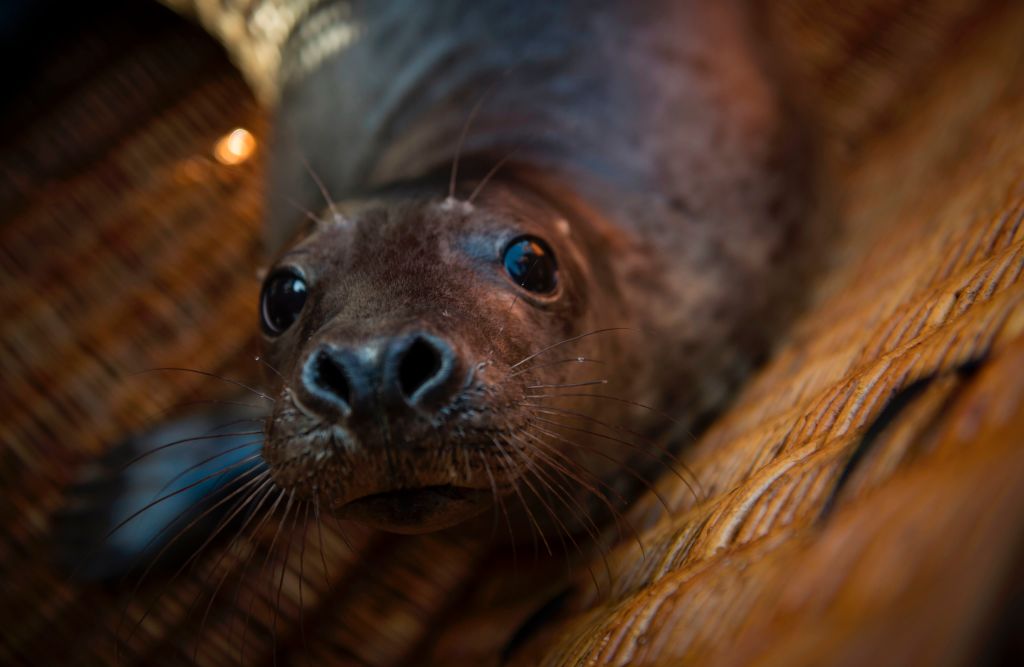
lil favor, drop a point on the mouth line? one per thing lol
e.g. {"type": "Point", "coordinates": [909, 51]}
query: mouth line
{"type": "Point", "coordinates": [418, 509]}
{"type": "Point", "coordinates": [442, 491]}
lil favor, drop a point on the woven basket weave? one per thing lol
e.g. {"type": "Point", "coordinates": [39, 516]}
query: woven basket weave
{"type": "Point", "coordinates": [127, 247]}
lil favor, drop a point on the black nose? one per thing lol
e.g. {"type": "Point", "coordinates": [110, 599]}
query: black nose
{"type": "Point", "coordinates": [327, 378]}
{"type": "Point", "coordinates": [416, 370]}
{"type": "Point", "coordinates": [420, 366]}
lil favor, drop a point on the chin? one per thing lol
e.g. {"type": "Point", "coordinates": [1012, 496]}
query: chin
{"type": "Point", "coordinates": [419, 510]}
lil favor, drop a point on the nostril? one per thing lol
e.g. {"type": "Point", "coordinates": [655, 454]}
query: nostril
{"type": "Point", "coordinates": [419, 364]}
{"type": "Point", "coordinates": [329, 376]}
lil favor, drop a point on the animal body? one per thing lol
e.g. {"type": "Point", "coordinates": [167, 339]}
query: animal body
{"type": "Point", "coordinates": [519, 250]}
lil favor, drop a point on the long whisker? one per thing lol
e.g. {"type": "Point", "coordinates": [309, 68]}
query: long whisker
{"type": "Point", "coordinates": [302, 579]}
{"type": "Point", "coordinates": [582, 476]}
{"type": "Point", "coordinates": [280, 583]}
{"type": "Point", "coordinates": [312, 217]}
{"type": "Point", "coordinates": [209, 401]}
{"type": "Point", "coordinates": [209, 459]}
{"type": "Point", "coordinates": [261, 490]}
{"type": "Point", "coordinates": [338, 526]}
{"type": "Point", "coordinates": [266, 363]}
{"type": "Point", "coordinates": [566, 341]}
{"type": "Point", "coordinates": [526, 506]}
{"type": "Point", "coordinates": [499, 502]}
{"type": "Point", "coordinates": [152, 504]}
{"type": "Point", "coordinates": [573, 360]}
{"type": "Point", "coordinates": [270, 552]}
{"type": "Point", "coordinates": [632, 472]}
{"type": "Point", "coordinates": [528, 465]}
{"type": "Point", "coordinates": [559, 462]}
{"type": "Point", "coordinates": [494, 496]}
{"type": "Point", "coordinates": [320, 536]}
{"type": "Point", "coordinates": [639, 448]}
{"type": "Point", "coordinates": [209, 375]}
{"type": "Point", "coordinates": [167, 546]}
{"type": "Point", "coordinates": [338, 217]}
{"type": "Point", "coordinates": [569, 385]}
{"type": "Point", "coordinates": [555, 410]}
{"type": "Point", "coordinates": [490, 174]}
{"type": "Point", "coordinates": [453, 177]}
{"type": "Point", "coordinates": [564, 530]}
{"type": "Point", "coordinates": [197, 438]}
{"type": "Point", "coordinates": [580, 511]}
{"type": "Point", "coordinates": [624, 401]}
{"type": "Point", "coordinates": [206, 496]}
{"type": "Point", "coordinates": [267, 494]}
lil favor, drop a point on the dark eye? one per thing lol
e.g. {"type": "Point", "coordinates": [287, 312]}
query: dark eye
{"type": "Point", "coordinates": [531, 264]}
{"type": "Point", "coordinates": [284, 294]}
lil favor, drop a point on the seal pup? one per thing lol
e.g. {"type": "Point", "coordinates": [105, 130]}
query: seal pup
{"type": "Point", "coordinates": [653, 188]}
{"type": "Point", "coordinates": [625, 232]}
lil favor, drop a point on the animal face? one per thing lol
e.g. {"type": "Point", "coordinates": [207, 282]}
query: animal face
{"type": "Point", "coordinates": [410, 340]}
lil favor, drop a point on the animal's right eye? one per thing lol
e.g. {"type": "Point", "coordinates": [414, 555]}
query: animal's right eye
{"type": "Point", "coordinates": [281, 301]}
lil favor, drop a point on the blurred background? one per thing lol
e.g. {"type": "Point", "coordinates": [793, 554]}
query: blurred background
{"type": "Point", "coordinates": [131, 161]}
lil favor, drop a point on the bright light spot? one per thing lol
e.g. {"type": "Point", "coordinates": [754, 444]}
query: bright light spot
{"type": "Point", "coordinates": [235, 147]}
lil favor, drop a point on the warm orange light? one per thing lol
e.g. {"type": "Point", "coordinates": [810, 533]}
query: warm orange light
{"type": "Point", "coordinates": [235, 147]}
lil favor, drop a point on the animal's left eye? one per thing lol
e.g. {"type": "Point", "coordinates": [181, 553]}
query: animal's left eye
{"type": "Point", "coordinates": [531, 264]}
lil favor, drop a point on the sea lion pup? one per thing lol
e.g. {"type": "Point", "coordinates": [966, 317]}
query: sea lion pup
{"type": "Point", "coordinates": [626, 229]}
